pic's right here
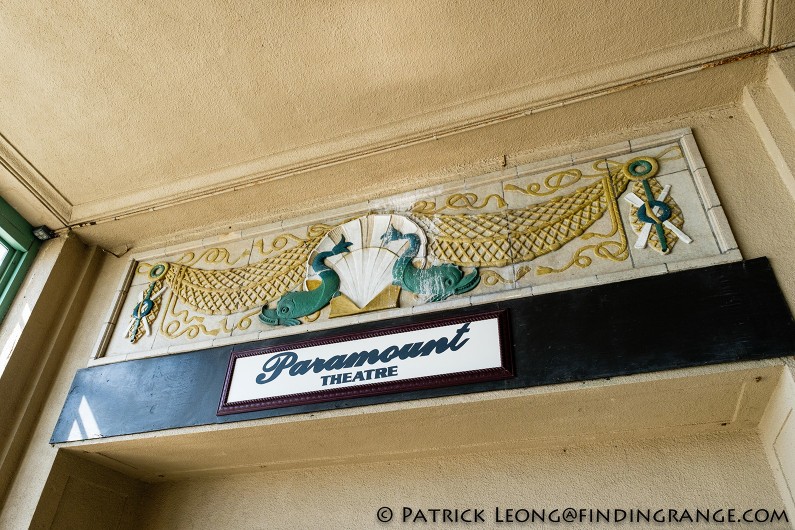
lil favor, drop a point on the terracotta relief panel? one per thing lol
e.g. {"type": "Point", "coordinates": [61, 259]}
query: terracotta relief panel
{"type": "Point", "coordinates": [561, 224]}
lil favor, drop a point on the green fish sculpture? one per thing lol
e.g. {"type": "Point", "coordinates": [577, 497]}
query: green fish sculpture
{"type": "Point", "coordinates": [296, 304]}
{"type": "Point", "coordinates": [437, 282]}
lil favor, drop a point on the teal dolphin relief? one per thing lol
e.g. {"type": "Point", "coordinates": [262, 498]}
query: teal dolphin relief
{"type": "Point", "coordinates": [437, 282]}
{"type": "Point", "coordinates": [296, 304]}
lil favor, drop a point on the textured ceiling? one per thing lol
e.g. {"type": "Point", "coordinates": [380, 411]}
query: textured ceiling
{"type": "Point", "coordinates": [111, 109]}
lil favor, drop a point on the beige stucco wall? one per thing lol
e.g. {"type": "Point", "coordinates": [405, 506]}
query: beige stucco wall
{"type": "Point", "coordinates": [710, 469]}
{"type": "Point", "coordinates": [777, 433]}
{"type": "Point", "coordinates": [699, 471]}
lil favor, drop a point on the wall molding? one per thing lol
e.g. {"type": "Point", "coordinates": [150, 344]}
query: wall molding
{"type": "Point", "coordinates": [24, 172]}
{"type": "Point", "coordinates": [538, 97]}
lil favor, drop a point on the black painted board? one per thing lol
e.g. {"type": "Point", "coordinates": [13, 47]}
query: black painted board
{"type": "Point", "coordinates": [725, 313]}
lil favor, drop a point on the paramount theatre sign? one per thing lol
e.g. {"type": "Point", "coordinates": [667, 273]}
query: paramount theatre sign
{"type": "Point", "coordinates": [434, 354]}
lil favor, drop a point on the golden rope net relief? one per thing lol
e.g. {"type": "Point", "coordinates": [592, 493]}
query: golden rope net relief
{"type": "Point", "coordinates": [314, 316]}
{"type": "Point", "coordinates": [242, 324]}
{"type": "Point", "coordinates": [314, 232]}
{"type": "Point", "coordinates": [178, 323]}
{"type": "Point", "coordinates": [212, 256]}
{"type": "Point", "coordinates": [175, 324]}
{"type": "Point", "coordinates": [458, 201]}
{"type": "Point", "coordinates": [492, 278]}
{"type": "Point", "coordinates": [215, 293]}
{"type": "Point", "coordinates": [610, 250]}
{"type": "Point", "coordinates": [559, 180]}
{"type": "Point", "coordinates": [143, 267]}
{"type": "Point", "coordinates": [230, 291]}
{"type": "Point", "coordinates": [498, 225]}
{"type": "Point", "coordinates": [673, 152]}
{"type": "Point", "coordinates": [520, 235]}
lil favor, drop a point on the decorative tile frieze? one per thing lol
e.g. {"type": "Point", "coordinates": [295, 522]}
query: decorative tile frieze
{"type": "Point", "coordinates": [603, 215]}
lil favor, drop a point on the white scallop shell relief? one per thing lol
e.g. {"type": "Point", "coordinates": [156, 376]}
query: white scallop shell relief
{"type": "Point", "coordinates": [366, 270]}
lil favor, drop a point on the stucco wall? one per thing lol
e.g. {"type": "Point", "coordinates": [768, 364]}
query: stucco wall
{"type": "Point", "coordinates": [703, 471]}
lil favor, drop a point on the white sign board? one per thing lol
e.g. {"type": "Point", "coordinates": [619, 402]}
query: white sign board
{"type": "Point", "coordinates": [439, 353]}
